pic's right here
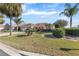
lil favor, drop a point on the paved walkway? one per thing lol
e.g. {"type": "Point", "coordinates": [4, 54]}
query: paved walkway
{"type": "Point", "coordinates": [9, 50]}
{"type": "Point", "coordinates": [5, 34]}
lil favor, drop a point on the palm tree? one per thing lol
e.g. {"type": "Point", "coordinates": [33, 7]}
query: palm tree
{"type": "Point", "coordinates": [18, 21]}
{"type": "Point", "coordinates": [70, 11]}
{"type": "Point", "coordinates": [11, 10]}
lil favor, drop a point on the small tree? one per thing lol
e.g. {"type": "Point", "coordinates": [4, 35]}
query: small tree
{"type": "Point", "coordinates": [60, 23]}
{"type": "Point", "coordinates": [57, 26]}
{"type": "Point", "coordinates": [29, 31]}
{"type": "Point", "coordinates": [17, 21]}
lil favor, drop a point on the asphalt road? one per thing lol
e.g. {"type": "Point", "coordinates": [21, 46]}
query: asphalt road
{"type": "Point", "coordinates": [2, 53]}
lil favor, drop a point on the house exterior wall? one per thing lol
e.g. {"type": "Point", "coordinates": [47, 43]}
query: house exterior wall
{"type": "Point", "coordinates": [35, 26]}
{"type": "Point", "coordinates": [1, 27]}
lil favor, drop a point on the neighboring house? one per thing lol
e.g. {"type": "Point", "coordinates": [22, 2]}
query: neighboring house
{"type": "Point", "coordinates": [7, 27]}
{"type": "Point", "coordinates": [1, 27]}
{"type": "Point", "coordinates": [23, 27]}
{"type": "Point", "coordinates": [13, 27]}
{"type": "Point", "coordinates": [39, 26]}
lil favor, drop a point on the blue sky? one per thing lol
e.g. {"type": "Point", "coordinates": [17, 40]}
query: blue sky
{"type": "Point", "coordinates": [44, 13]}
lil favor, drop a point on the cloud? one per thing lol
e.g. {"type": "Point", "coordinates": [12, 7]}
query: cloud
{"type": "Point", "coordinates": [64, 17]}
{"type": "Point", "coordinates": [24, 7]}
{"type": "Point", "coordinates": [34, 12]}
{"type": "Point", "coordinates": [54, 5]}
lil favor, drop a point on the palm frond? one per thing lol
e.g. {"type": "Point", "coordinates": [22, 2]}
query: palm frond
{"type": "Point", "coordinates": [67, 9]}
{"type": "Point", "coordinates": [74, 10]}
{"type": "Point", "coordinates": [62, 13]}
{"type": "Point", "coordinates": [68, 5]}
{"type": "Point", "coordinates": [18, 20]}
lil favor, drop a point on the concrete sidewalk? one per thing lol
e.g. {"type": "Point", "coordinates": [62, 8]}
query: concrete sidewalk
{"type": "Point", "coordinates": [14, 52]}
{"type": "Point", "coordinates": [6, 34]}
{"type": "Point", "coordinates": [9, 50]}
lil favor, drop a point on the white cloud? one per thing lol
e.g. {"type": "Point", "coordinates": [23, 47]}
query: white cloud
{"type": "Point", "coordinates": [34, 12]}
{"type": "Point", "coordinates": [63, 17]}
{"type": "Point", "coordinates": [54, 5]}
{"type": "Point", "coordinates": [24, 7]}
{"type": "Point", "coordinates": [42, 16]}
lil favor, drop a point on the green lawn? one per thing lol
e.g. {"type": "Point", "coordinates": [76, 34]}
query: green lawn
{"type": "Point", "coordinates": [40, 44]}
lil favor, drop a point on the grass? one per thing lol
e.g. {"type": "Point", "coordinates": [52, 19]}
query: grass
{"type": "Point", "coordinates": [45, 45]}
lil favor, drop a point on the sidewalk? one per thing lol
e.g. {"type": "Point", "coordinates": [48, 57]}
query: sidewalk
{"type": "Point", "coordinates": [5, 34]}
{"type": "Point", "coordinates": [9, 50]}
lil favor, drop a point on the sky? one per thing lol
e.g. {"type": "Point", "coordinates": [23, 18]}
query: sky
{"type": "Point", "coordinates": [44, 13]}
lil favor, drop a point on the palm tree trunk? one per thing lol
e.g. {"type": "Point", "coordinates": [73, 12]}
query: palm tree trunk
{"type": "Point", "coordinates": [10, 26]}
{"type": "Point", "coordinates": [71, 22]}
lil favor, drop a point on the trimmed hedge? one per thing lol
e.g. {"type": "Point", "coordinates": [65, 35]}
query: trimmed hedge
{"type": "Point", "coordinates": [59, 32]}
{"type": "Point", "coordinates": [72, 31]}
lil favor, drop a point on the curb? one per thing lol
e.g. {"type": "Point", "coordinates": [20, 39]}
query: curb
{"type": "Point", "coordinates": [31, 53]}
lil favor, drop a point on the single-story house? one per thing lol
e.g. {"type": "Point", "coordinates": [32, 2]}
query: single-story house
{"type": "Point", "coordinates": [1, 27]}
{"type": "Point", "coordinates": [39, 26]}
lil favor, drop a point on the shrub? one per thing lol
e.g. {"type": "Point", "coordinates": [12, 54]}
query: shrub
{"type": "Point", "coordinates": [72, 31]}
{"type": "Point", "coordinates": [5, 31]}
{"type": "Point", "coordinates": [29, 32]}
{"type": "Point", "coordinates": [58, 32]}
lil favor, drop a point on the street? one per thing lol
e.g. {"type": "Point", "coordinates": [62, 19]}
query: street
{"type": "Point", "coordinates": [2, 53]}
